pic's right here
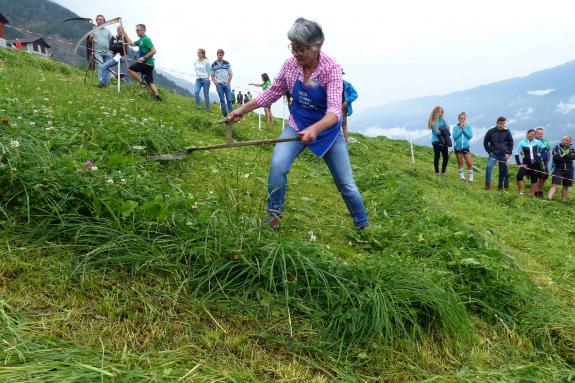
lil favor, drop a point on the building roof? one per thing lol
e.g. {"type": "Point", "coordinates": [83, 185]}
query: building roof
{"type": "Point", "coordinates": [38, 40]}
{"type": "Point", "coordinates": [3, 19]}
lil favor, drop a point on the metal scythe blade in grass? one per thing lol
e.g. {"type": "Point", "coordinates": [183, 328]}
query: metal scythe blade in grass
{"type": "Point", "coordinates": [110, 22]}
{"type": "Point", "coordinates": [229, 144]}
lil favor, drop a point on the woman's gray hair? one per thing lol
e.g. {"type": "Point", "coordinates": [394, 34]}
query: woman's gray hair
{"type": "Point", "coordinates": [305, 32]}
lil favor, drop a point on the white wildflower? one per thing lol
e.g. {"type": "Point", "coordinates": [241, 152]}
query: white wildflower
{"type": "Point", "coordinates": [195, 205]}
{"type": "Point", "coordinates": [123, 181]}
{"type": "Point", "coordinates": [312, 237]}
{"type": "Point", "coordinates": [189, 223]}
{"type": "Point", "coordinates": [110, 181]}
{"type": "Point", "coordinates": [94, 168]}
{"type": "Point", "coordinates": [14, 144]}
{"type": "Point", "coordinates": [138, 147]}
{"type": "Point", "coordinates": [32, 123]}
{"type": "Point", "coordinates": [247, 175]}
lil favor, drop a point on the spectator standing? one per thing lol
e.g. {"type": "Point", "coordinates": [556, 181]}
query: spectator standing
{"type": "Point", "coordinates": [100, 39]}
{"type": "Point", "coordinates": [349, 95]}
{"type": "Point", "coordinates": [265, 84]}
{"type": "Point", "coordinates": [222, 77]}
{"type": "Point", "coordinates": [531, 150]}
{"type": "Point", "coordinates": [438, 128]}
{"type": "Point", "coordinates": [246, 98]}
{"type": "Point", "coordinates": [462, 134]}
{"type": "Point", "coordinates": [498, 143]}
{"type": "Point", "coordinates": [539, 133]}
{"type": "Point", "coordinates": [563, 155]}
{"type": "Point", "coordinates": [203, 72]}
{"type": "Point", "coordinates": [240, 97]}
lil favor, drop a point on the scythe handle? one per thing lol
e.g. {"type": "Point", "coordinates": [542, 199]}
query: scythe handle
{"type": "Point", "coordinates": [242, 143]}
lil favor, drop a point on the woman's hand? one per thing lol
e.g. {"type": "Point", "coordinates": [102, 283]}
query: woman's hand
{"type": "Point", "coordinates": [235, 115]}
{"type": "Point", "coordinates": [308, 135]}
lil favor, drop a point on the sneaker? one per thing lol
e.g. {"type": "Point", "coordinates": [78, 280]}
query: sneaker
{"type": "Point", "coordinates": [272, 220]}
{"type": "Point", "coordinates": [487, 186]}
{"type": "Point", "coordinates": [361, 227]}
{"type": "Point", "coordinates": [158, 98]}
{"type": "Point", "coordinates": [101, 85]}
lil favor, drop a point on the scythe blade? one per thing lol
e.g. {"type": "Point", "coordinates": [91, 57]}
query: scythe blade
{"type": "Point", "coordinates": [110, 22]}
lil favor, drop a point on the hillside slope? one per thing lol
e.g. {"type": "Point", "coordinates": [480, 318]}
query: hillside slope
{"type": "Point", "coordinates": [123, 270]}
{"type": "Point", "coordinates": [46, 17]}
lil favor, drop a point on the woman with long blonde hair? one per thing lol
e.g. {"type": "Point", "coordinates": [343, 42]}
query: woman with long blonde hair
{"type": "Point", "coordinates": [436, 123]}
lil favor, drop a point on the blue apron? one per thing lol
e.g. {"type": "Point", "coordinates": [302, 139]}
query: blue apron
{"type": "Point", "coordinates": [309, 105]}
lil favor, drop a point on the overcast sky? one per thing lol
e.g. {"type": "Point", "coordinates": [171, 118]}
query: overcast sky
{"type": "Point", "coordinates": [389, 50]}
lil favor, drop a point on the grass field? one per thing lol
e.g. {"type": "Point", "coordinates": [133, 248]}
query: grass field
{"type": "Point", "coordinates": [114, 269]}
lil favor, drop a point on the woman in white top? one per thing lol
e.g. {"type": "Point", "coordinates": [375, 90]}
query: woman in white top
{"type": "Point", "coordinates": [203, 69]}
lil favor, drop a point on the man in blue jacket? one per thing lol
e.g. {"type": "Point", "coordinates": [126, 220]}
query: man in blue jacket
{"type": "Point", "coordinates": [498, 144]}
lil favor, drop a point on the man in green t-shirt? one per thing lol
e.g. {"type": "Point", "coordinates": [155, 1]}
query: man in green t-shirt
{"type": "Point", "coordinates": [145, 63]}
{"type": "Point", "coordinates": [544, 166]}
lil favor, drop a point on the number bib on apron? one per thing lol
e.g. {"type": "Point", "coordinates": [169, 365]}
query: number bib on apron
{"type": "Point", "coordinates": [308, 107]}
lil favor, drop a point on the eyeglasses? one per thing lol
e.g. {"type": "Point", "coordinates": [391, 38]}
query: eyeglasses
{"type": "Point", "coordinates": [298, 50]}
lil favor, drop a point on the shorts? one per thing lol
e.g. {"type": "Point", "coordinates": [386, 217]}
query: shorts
{"type": "Point", "coordinates": [546, 174]}
{"type": "Point", "coordinates": [146, 70]}
{"type": "Point", "coordinates": [464, 151]}
{"type": "Point", "coordinates": [529, 172]}
{"type": "Point", "coordinates": [565, 181]}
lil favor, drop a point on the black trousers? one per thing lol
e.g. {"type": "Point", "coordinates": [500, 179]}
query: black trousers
{"type": "Point", "coordinates": [443, 151]}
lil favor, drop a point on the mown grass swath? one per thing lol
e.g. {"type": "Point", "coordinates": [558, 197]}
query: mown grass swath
{"type": "Point", "coordinates": [433, 289]}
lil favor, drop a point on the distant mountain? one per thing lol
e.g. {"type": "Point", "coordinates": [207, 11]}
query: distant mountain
{"type": "Point", "coordinates": [542, 99]}
{"type": "Point", "coordinates": [188, 85]}
{"type": "Point", "coordinates": [45, 17]}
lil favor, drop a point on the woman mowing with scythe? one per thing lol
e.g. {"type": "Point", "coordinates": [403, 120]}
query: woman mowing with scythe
{"type": "Point", "coordinates": [314, 80]}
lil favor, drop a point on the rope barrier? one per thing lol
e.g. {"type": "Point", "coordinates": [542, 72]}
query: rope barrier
{"type": "Point", "coordinates": [535, 170]}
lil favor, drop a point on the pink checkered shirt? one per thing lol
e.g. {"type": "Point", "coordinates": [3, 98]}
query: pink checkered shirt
{"type": "Point", "coordinates": [329, 74]}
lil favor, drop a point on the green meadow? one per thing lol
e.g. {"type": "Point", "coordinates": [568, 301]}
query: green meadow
{"type": "Point", "coordinates": [118, 269]}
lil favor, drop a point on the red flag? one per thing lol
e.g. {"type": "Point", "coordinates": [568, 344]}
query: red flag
{"type": "Point", "coordinates": [18, 44]}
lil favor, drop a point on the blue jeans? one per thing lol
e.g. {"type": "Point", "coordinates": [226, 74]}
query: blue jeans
{"type": "Point", "coordinates": [102, 57]}
{"type": "Point", "coordinates": [503, 176]}
{"type": "Point", "coordinates": [224, 90]}
{"type": "Point", "coordinates": [337, 160]}
{"type": "Point", "coordinates": [203, 83]}
{"type": "Point", "coordinates": [111, 64]}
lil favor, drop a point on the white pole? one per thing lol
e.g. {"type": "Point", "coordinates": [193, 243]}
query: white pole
{"type": "Point", "coordinates": [118, 75]}
{"type": "Point", "coordinates": [259, 120]}
{"type": "Point", "coordinates": [411, 148]}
